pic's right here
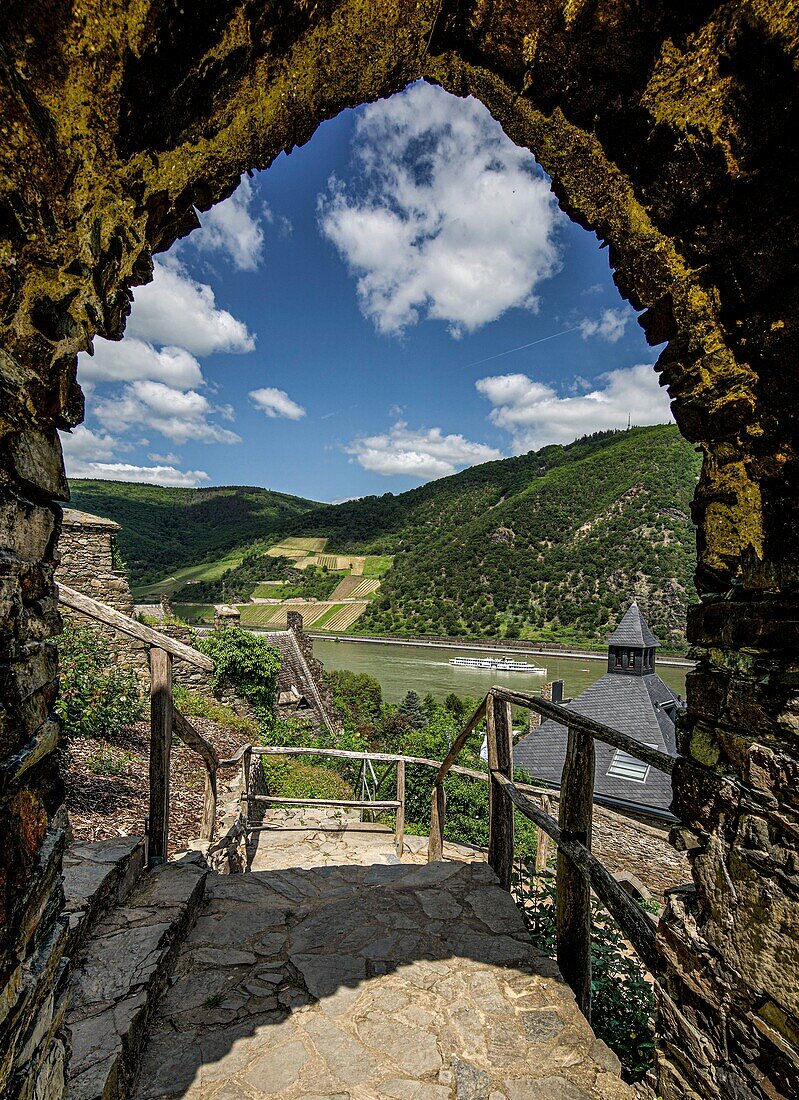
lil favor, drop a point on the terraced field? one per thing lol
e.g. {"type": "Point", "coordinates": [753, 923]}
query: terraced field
{"type": "Point", "coordinates": [281, 551]}
{"type": "Point", "coordinates": [274, 616]}
{"type": "Point", "coordinates": [345, 617]}
{"type": "Point", "coordinates": [307, 544]}
{"type": "Point", "coordinates": [354, 588]}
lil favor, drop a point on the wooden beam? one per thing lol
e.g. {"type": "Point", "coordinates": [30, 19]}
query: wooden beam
{"type": "Point", "coordinates": [161, 721]}
{"type": "Point", "coordinates": [500, 807]}
{"type": "Point", "coordinates": [630, 917]}
{"type": "Point", "coordinates": [573, 895]}
{"type": "Point", "coordinates": [353, 803]}
{"type": "Point", "coordinates": [542, 841]}
{"type": "Point", "coordinates": [134, 629]}
{"type": "Point", "coordinates": [438, 814]}
{"type": "Point", "coordinates": [399, 824]}
{"type": "Point", "coordinates": [656, 759]}
{"type": "Point", "coordinates": [190, 737]}
{"type": "Point", "coordinates": [460, 740]}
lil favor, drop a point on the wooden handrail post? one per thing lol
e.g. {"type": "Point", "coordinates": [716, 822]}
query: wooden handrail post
{"type": "Point", "coordinates": [438, 813]}
{"type": "Point", "coordinates": [542, 841]}
{"type": "Point", "coordinates": [161, 709]}
{"type": "Point", "coordinates": [573, 888]}
{"type": "Point", "coordinates": [399, 825]}
{"type": "Point", "coordinates": [246, 762]}
{"type": "Point", "coordinates": [500, 808]}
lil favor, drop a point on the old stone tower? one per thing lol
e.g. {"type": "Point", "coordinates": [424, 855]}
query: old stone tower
{"type": "Point", "coordinates": [668, 129]}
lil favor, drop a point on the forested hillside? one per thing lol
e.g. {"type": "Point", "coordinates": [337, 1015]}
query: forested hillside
{"type": "Point", "coordinates": [166, 529]}
{"type": "Point", "coordinates": [551, 544]}
{"type": "Point", "coordinates": [555, 554]}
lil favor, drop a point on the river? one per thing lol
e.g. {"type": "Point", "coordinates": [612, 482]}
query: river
{"type": "Point", "coordinates": [427, 668]}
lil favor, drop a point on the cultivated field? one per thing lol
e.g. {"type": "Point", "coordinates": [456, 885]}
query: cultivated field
{"type": "Point", "coordinates": [272, 616]}
{"type": "Point", "coordinates": [354, 588]}
{"type": "Point", "coordinates": [304, 544]}
{"type": "Point", "coordinates": [345, 617]}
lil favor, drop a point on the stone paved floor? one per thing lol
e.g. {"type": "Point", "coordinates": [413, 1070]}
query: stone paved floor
{"type": "Point", "coordinates": [353, 982]}
{"type": "Point", "coordinates": [319, 837]}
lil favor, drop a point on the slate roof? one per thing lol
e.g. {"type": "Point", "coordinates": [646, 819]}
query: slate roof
{"type": "Point", "coordinates": [629, 704]}
{"type": "Point", "coordinates": [295, 673]}
{"type": "Point", "coordinates": [633, 631]}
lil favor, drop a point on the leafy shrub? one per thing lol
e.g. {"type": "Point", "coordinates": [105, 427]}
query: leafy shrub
{"type": "Point", "coordinates": [95, 699]}
{"type": "Point", "coordinates": [622, 1001]}
{"type": "Point", "coordinates": [247, 663]}
{"type": "Point", "coordinates": [296, 778]}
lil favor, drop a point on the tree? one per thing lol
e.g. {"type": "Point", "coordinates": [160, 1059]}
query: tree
{"type": "Point", "coordinates": [411, 706]}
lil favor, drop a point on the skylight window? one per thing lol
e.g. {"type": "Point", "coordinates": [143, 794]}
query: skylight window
{"type": "Point", "coordinates": [624, 766]}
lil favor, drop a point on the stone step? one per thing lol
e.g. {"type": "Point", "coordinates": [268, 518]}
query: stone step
{"type": "Point", "coordinates": [119, 976]}
{"type": "Point", "coordinates": [98, 876]}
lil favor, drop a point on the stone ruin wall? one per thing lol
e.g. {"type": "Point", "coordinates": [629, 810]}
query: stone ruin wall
{"type": "Point", "coordinates": [670, 130]}
{"type": "Point", "coordinates": [88, 563]}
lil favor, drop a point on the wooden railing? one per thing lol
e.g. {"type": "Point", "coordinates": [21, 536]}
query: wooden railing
{"type": "Point", "coordinates": [578, 871]}
{"type": "Point", "coordinates": [367, 804]}
{"type": "Point", "coordinates": [165, 718]}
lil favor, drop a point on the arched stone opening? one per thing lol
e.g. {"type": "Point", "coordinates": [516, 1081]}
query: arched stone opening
{"type": "Point", "coordinates": [669, 130]}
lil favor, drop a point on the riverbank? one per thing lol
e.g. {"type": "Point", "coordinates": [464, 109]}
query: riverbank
{"type": "Point", "coordinates": [542, 650]}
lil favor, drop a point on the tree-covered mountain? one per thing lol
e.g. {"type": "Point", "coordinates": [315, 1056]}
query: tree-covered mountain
{"type": "Point", "coordinates": [166, 529]}
{"type": "Point", "coordinates": [547, 545]}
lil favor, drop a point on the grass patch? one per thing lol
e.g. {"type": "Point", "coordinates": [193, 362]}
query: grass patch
{"type": "Point", "coordinates": [328, 615]}
{"type": "Point", "coordinates": [206, 571]}
{"type": "Point", "coordinates": [192, 705]}
{"type": "Point", "coordinates": [292, 778]}
{"type": "Point", "coordinates": [377, 565]}
{"type": "Point", "coordinates": [194, 612]}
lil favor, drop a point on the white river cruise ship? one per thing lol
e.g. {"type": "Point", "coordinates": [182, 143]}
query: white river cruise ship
{"type": "Point", "coordinates": [498, 664]}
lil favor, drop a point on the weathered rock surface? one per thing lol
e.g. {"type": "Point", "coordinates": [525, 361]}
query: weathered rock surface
{"type": "Point", "coordinates": [320, 993]}
{"type": "Point", "coordinates": [119, 976]}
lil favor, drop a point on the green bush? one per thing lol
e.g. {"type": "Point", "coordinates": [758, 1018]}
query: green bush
{"type": "Point", "coordinates": [247, 663]}
{"type": "Point", "coordinates": [94, 700]}
{"type": "Point", "coordinates": [622, 1000]}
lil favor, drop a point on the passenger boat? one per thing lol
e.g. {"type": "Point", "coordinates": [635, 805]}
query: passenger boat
{"type": "Point", "coordinates": [498, 664]}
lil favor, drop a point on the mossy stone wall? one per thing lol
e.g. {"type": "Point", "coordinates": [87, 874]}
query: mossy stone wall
{"type": "Point", "coordinates": [670, 129]}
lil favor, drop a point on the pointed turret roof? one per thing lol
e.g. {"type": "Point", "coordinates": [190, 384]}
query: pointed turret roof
{"type": "Point", "coordinates": [633, 631]}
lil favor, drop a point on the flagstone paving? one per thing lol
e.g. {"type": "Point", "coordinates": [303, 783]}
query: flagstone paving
{"type": "Point", "coordinates": [367, 979]}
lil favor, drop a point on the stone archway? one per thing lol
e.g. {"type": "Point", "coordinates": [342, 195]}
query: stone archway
{"type": "Point", "coordinates": [670, 129]}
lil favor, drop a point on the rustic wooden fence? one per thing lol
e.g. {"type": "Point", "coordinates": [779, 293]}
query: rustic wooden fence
{"type": "Point", "coordinates": [165, 718]}
{"type": "Point", "coordinates": [578, 871]}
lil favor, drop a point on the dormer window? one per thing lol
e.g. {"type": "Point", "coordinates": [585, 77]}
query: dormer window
{"type": "Point", "coordinates": [618, 658]}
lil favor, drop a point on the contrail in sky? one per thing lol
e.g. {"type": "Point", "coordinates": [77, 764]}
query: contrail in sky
{"type": "Point", "coordinates": [532, 344]}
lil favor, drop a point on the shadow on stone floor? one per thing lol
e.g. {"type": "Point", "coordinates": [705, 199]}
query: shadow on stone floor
{"type": "Point", "coordinates": [414, 982]}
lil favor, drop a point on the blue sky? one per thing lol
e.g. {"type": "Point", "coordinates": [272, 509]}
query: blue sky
{"type": "Point", "coordinates": [339, 326]}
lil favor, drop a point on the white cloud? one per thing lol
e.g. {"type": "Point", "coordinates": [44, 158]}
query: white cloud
{"type": "Point", "coordinates": [130, 359]}
{"type": "Point", "coordinates": [176, 310]}
{"type": "Point", "coordinates": [92, 454]}
{"type": "Point", "coordinates": [82, 443]}
{"type": "Point", "coordinates": [177, 415]}
{"type": "Point", "coordinates": [276, 402]}
{"type": "Point", "coordinates": [165, 460]}
{"type": "Point", "coordinates": [233, 229]}
{"type": "Point", "coordinates": [610, 326]}
{"type": "Point", "coordinates": [150, 475]}
{"type": "Point", "coordinates": [423, 453]}
{"type": "Point", "coordinates": [535, 415]}
{"type": "Point", "coordinates": [454, 222]}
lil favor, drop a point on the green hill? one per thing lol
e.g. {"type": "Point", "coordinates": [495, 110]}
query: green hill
{"type": "Point", "coordinates": [166, 530]}
{"type": "Point", "coordinates": [549, 545]}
